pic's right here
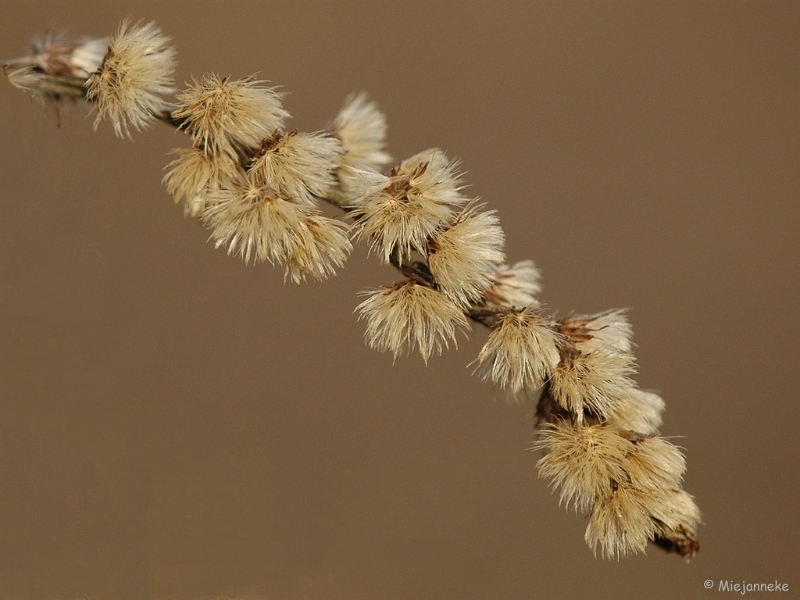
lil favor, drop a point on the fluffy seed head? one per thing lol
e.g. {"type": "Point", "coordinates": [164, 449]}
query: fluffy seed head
{"type": "Point", "coordinates": [630, 484]}
{"type": "Point", "coordinates": [677, 509]}
{"type": "Point", "coordinates": [582, 461]}
{"type": "Point", "coordinates": [620, 523]}
{"type": "Point", "coordinates": [463, 256]}
{"type": "Point", "coordinates": [608, 331]}
{"type": "Point", "coordinates": [361, 184]}
{"type": "Point", "coordinates": [410, 315]}
{"type": "Point", "coordinates": [136, 72]}
{"type": "Point", "coordinates": [654, 463]}
{"type": "Point", "coordinates": [418, 198]}
{"type": "Point", "coordinates": [593, 381]}
{"type": "Point", "coordinates": [677, 519]}
{"type": "Point", "coordinates": [362, 129]}
{"type": "Point", "coordinates": [190, 176]}
{"type": "Point", "coordinates": [433, 178]}
{"type": "Point", "coordinates": [325, 247]}
{"type": "Point", "coordinates": [521, 351]}
{"type": "Point", "coordinates": [300, 166]}
{"type": "Point", "coordinates": [225, 116]}
{"type": "Point", "coordinates": [252, 221]}
{"type": "Point", "coordinates": [515, 286]}
{"type": "Point", "coordinates": [639, 411]}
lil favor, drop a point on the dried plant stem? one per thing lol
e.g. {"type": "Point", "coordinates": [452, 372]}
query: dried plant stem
{"type": "Point", "coordinates": [257, 186]}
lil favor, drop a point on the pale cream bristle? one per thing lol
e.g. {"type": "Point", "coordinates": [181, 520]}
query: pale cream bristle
{"type": "Point", "coordinates": [639, 411]}
{"type": "Point", "coordinates": [410, 316]}
{"type": "Point", "coordinates": [194, 172]}
{"type": "Point", "coordinates": [620, 524]}
{"type": "Point", "coordinates": [593, 381]}
{"type": "Point", "coordinates": [325, 247]}
{"type": "Point", "coordinates": [677, 518]}
{"type": "Point", "coordinates": [608, 331]}
{"type": "Point", "coordinates": [58, 68]}
{"type": "Point", "coordinates": [362, 129]}
{"type": "Point", "coordinates": [521, 352]}
{"type": "Point", "coordinates": [654, 463]}
{"type": "Point", "coordinates": [227, 116]}
{"type": "Point", "coordinates": [253, 222]}
{"type": "Point", "coordinates": [582, 461]}
{"type": "Point", "coordinates": [300, 166]}
{"type": "Point", "coordinates": [129, 85]}
{"type": "Point", "coordinates": [515, 286]}
{"type": "Point", "coordinates": [464, 255]}
{"type": "Point", "coordinates": [420, 197]}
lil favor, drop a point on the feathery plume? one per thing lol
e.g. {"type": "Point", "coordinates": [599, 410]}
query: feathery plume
{"type": "Point", "coordinates": [362, 129]}
{"type": "Point", "coordinates": [79, 58]}
{"type": "Point", "coordinates": [620, 523]}
{"type": "Point", "coordinates": [251, 220]}
{"type": "Point", "coordinates": [227, 116]}
{"type": "Point", "coordinates": [419, 197]}
{"type": "Point", "coordinates": [677, 518]}
{"type": "Point", "coordinates": [463, 256]}
{"type": "Point", "coordinates": [410, 315]}
{"type": "Point", "coordinates": [629, 484]}
{"type": "Point", "coordinates": [521, 352]}
{"type": "Point", "coordinates": [300, 166]}
{"type": "Point", "coordinates": [607, 331]}
{"type": "Point", "coordinates": [515, 286]}
{"type": "Point", "coordinates": [639, 411]}
{"type": "Point", "coordinates": [325, 247]}
{"type": "Point", "coordinates": [136, 72]}
{"type": "Point", "coordinates": [590, 381]}
{"type": "Point", "coordinates": [194, 172]}
{"type": "Point", "coordinates": [595, 364]}
{"type": "Point", "coordinates": [582, 461]}
{"type": "Point", "coordinates": [433, 178]}
{"type": "Point", "coordinates": [654, 463]}
{"type": "Point", "coordinates": [360, 184]}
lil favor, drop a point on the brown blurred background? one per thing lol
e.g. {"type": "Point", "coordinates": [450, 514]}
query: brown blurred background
{"type": "Point", "coordinates": [174, 424]}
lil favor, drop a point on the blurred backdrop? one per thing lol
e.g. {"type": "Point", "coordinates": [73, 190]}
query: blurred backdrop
{"type": "Point", "coordinates": [175, 424]}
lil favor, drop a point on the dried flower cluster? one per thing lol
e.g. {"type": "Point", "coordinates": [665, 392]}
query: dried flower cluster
{"type": "Point", "coordinates": [257, 186]}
